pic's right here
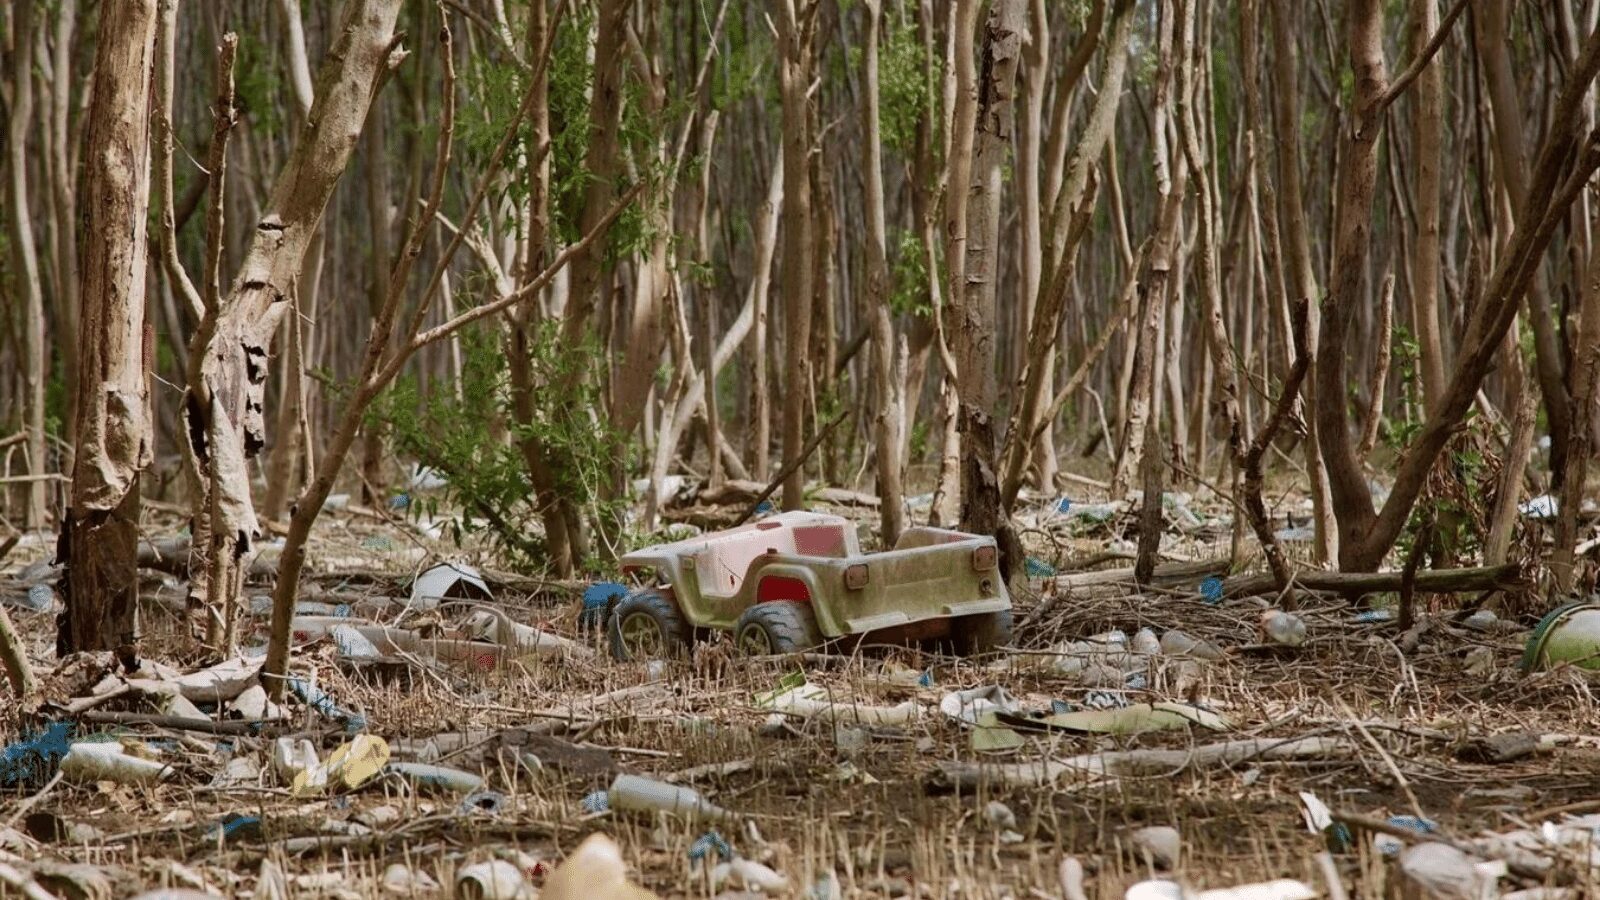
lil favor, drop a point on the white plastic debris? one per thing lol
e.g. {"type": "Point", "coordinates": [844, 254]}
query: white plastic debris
{"type": "Point", "coordinates": [1284, 628]}
{"type": "Point", "coordinates": [1000, 815]}
{"type": "Point", "coordinates": [1282, 889]}
{"type": "Point", "coordinates": [110, 762]}
{"type": "Point", "coordinates": [1160, 844]}
{"type": "Point", "coordinates": [492, 880]}
{"type": "Point", "coordinates": [1540, 507]}
{"type": "Point", "coordinates": [970, 705]}
{"type": "Point", "coordinates": [812, 701]}
{"type": "Point", "coordinates": [1446, 873]}
{"type": "Point", "coordinates": [447, 580]}
{"type": "Point", "coordinates": [221, 682]}
{"type": "Point", "coordinates": [290, 758]}
{"type": "Point", "coordinates": [1146, 643]}
{"type": "Point", "coordinates": [492, 625]}
{"type": "Point", "coordinates": [748, 875]}
{"type": "Point", "coordinates": [401, 879]}
{"type": "Point", "coordinates": [1181, 643]}
{"type": "Point", "coordinates": [632, 792]}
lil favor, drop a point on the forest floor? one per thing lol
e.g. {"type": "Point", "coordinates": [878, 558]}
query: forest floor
{"type": "Point", "coordinates": [842, 807]}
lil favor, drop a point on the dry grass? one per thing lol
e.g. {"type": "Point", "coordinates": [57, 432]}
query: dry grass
{"type": "Point", "coordinates": [814, 802]}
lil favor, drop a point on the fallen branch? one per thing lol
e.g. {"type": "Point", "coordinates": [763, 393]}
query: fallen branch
{"type": "Point", "coordinates": [15, 658]}
{"type": "Point", "coordinates": [1354, 584]}
{"type": "Point", "coordinates": [790, 466]}
{"type": "Point", "coordinates": [1165, 573]}
{"type": "Point", "coordinates": [1125, 763]}
{"type": "Point", "coordinates": [176, 723]}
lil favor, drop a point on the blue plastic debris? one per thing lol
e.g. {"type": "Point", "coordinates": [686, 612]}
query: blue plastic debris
{"type": "Point", "coordinates": [1389, 845]}
{"type": "Point", "coordinates": [596, 598]}
{"type": "Point", "coordinates": [926, 680]}
{"type": "Point", "coordinates": [764, 507]}
{"type": "Point", "coordinates": [1038, 568]}
{"type": "Point", "coordinates": [1375, 615]}
{"type": "Point", "coordinates": [1057, 707]}
{"type": "Point", "coordinates": [1137, 681]}
{"type": "Point", "coordinates": [236, 826]}
{"type": "Point", "coordinates": [708, 843]}
{"type": "Point", "coordinates": [1211, 590]}
{"type": "Point", "coordinates": [1064, 505]}
{"type": "Point", "coordinates": [318, 699]}
{"type": "Point", "coordinates": [597, 802]}
{"type": "Point", "coordinates": [400, 501]}
{"type": "Point", "coordinates": [35, 758]}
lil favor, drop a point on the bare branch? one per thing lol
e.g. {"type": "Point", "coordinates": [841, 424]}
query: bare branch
{"type": "Point", "coordinates": [1420, 61]}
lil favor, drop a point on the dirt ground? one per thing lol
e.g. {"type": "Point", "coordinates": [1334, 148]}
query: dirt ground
{"type": "Point", "coordinates": [863, 810]}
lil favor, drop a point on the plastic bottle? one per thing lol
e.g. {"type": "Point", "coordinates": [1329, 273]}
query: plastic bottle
{"type": "Point", "coordinates": [631, 792]}
{"type": "Point", "coordinates": [109, 762]}
{"type": "Point", "coordinates": [444, 778]}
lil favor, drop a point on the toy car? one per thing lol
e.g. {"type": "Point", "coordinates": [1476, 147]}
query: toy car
{"type": "Point", "coordinates": [797, 580]}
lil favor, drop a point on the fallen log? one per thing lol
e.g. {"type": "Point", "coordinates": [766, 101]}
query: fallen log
{"type": "Point", "coordinates": [171, 555]}
{"type": "Point", "coordinates": [1165, 573]}
{"type": "Point", "coordinates": [739, 491]}
{"type": "Point", "coordinates": [1354, 584]}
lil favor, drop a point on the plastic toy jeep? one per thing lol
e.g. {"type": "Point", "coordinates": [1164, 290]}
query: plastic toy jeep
{"type": "Point", "coordinates": [797, 580]}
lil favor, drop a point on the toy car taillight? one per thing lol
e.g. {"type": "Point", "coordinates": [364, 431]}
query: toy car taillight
{"type": "Point", "coordinates": [983, 558]}
{"type": "Point", "coordinates": [855, 577]}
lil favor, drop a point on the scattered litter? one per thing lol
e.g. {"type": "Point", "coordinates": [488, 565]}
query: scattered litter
{"type": "Point", "coordinates": [457, 581]}
{"type": "Point", "coordinates": [104, 761]}
{"type": "Point", "coordinates": [748, 875]}
{"type": "Point", "coordinates": [291, 757]}
{"type": "Point", "coordinates": [349, 765]}
{"type": "Point", "coordinates": [1389, 845]}
{"type": "Point", "coordinates": [493, 880]}
{"type": "Point", "coordinates": [1370, 616]}
{"type": "Point", "coordinates": [425, 777]}
{"type": "Point", "coordinates": [497, 627]}
{"type": "Point", "coordinates": [709, 844]}
{"type": "Point", "coordinates": [1157, 845]}
{"type": "Point", "coordinates": [1569, 634]}
{"type": "Point", "coordinates": [1211, 590]}
{"type": "Point", "coordinates": [970, 705]}
{"type": "Point", "coordinates": [1038, 568]}
{"type": "Point", "coordinates": [1299, 534]}
{"type": "Point", "coordinates": [1540, 507]}
{"type": "Point", "coordinates": [1482, 620]}
{"type": "Point", "coordinates": [999, 815]}
{"type": "Point", "coordinates": [597, 600]}
{"type": "Point", "coordinates": [482, 802]}
{"type": "Point", "coordinates": [1319, 820]}
{"type": "Point", "coordinates": [319, 700]}
{"type": "Point", "coordinates": [1284, 889]}
{"type": "Point", "coordinates": [1181, 643]}
{"type": "Point", "coordinates": [34, 759]}
{"type": "Point", "coordinates": [812, 701]}
{"type": "Point", "coordinates": [1443, 872]}
{"type": "Point", "coordinates": [1132, 719]}
{"type": "Point", "coordinates": [400, 878]}
{"type": "Point", "coordinates": [1279, 627]}
{"type": "Point", "coordinates": [633, 793]}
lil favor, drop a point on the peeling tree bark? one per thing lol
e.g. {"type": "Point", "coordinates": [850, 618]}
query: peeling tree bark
{"type": "Point", "coordinates": [99, 542]}
{"type": "Point", "coordinates": [224, 404]}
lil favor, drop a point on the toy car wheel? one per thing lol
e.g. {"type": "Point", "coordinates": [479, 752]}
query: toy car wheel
{"type": "Point", "coordinates": [646, 625]}
{"type": "Point", "coordinates": [781, 627]}
{"type": "Point", "coordinates": [982, 632]}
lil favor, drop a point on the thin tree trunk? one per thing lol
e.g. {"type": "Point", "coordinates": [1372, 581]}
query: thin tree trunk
{"type": "Point", "coordinates": [1300, 274]}
{"type": "Point", "coordinates": [888, 416]}
{"type": "Point", "coordinates": [1427, 134]}
{"type": "Point", "coordinates": [99, 542]}
{"type": "Point", "coordinates": [794, 51]}
{"type": "Point", "coordinates": [972, 311]}
{"type": "Point", "coordinates": [35, 367]}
